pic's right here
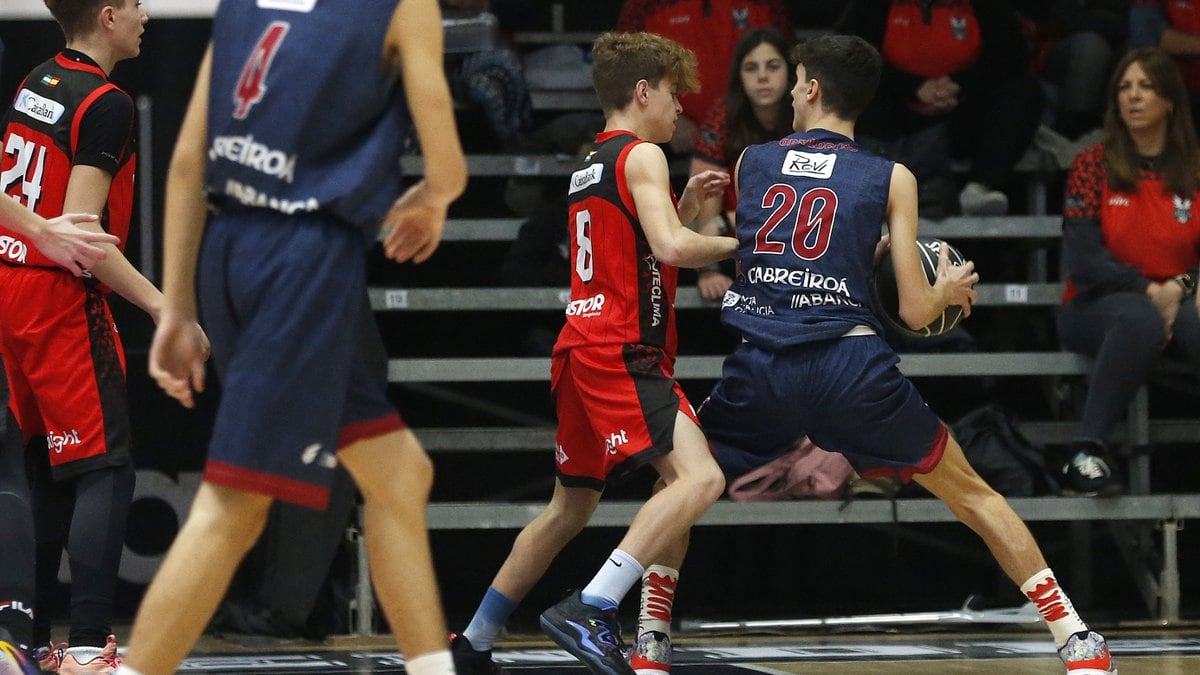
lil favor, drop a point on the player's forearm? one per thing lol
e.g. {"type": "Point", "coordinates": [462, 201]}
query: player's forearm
{"type": "Point", "coordinates": [116, 272]}
{"type": "Point", "coordinates": [688, 249]}
{"type": "Point", "coordinates": [433, 117]}
{"type": "Point", "coordinates": [926, 308]}
{"type": "Point", "coordinates": [185, 212]}
{"type": "Point", "coordinates": [414, 46]}
{"type": "Point", "coordinates": [20, 219]}
{"type": "Point", "coordinates": [183, 228]}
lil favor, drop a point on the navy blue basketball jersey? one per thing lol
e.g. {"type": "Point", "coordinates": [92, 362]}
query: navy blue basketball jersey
{"type": "Point", "coordinates": [810, 209]}
{"type": "Point", "coordinates": [303, 114]}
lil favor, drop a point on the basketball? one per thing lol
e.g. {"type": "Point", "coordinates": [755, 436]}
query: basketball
{"type": "Point", "coordinates": [887, 298]}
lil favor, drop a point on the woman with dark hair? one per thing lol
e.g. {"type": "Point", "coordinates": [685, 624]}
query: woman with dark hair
{"type": "Point", "coordinates": [1131, 243]}
{"type": "Point", "coordinates": [757, 107]}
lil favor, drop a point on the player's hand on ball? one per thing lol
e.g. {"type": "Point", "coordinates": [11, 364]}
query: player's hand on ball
{"type": "Point", "coordinates": [960, 281]}
{"type": "Point", "coordinates": [881, 247]}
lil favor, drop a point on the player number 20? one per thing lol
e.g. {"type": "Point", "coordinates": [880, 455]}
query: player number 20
{"type": "Point", "coordinates": [814, 214]}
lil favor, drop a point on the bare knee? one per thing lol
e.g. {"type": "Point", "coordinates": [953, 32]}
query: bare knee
{"type": "Point", "coordinates": [394, 464]}
{"type": "Point", "coordinates": [234, 517]}
{"type": "Point", "coordinates": [712, 485]}
{"type": "Point", "coordinates": [706, 484]}
{"type": "Point", "coordinates": [563, 522]}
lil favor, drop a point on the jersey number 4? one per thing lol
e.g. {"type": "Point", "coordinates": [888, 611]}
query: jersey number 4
{"type": "Point", "coordinates": [814, 214]}
{"type": "Point", "coordinates": [251, 84]}
{"type": "Point", "coordinates": [29, 159]}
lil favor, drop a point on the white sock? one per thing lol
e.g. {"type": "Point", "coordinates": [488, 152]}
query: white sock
{"type": "Point", "coordinates": [126, 670]}
{"type": "Point", "coordinates": [1054, 606]}
{"type": "Point", "coordinates": [431, 663]}
{"type": "Point", "coordinates": [658, 598]}
{"type": "Point", "coordinates": [617, 575]}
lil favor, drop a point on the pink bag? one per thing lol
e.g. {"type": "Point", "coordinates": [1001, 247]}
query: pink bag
{"type": "Point", "coordinates": [806, 472]}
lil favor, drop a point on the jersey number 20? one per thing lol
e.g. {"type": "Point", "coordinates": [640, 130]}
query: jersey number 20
{"type": "Point", "coordinates": [814, 214]}
{"type": "Point", "coordinates": [250, 85]}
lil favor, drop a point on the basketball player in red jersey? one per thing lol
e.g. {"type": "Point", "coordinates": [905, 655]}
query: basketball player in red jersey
{"type": "Point", "coordinates": [68, 145]}
{"type": "Point", "coordinates": [619, 407]}
{"type": "Point", "coordinates": [75, 249]}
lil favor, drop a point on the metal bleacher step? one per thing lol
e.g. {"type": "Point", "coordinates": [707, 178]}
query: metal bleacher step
{"type": "Point", "coordinates": [958, 227]}
{"type": "Point", "coordinates": [540, 439]}
{"type": "Point", "coordinates": [514, 515]}
{"type": "Point", "coordinates": [525, 369]}
{"type": "Point", "coordinates": [551, 298]}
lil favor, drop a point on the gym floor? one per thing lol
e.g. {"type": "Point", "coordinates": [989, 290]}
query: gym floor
{"type": "Point", "coordinates": [1138, 652]}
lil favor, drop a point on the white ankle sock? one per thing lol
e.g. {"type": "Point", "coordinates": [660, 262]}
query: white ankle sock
{"type": "Point", "coordinates": [618, 574]}
{"type": "Point", "coordinates": [431, 663]}
{"type": "Point", "coordinates": [126, 670]}
{"type": "Point", "coordinates": [1054, 606]}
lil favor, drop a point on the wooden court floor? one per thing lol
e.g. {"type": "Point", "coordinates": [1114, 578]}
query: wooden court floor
{"type": "Point", "coordinates": [1138, 652]}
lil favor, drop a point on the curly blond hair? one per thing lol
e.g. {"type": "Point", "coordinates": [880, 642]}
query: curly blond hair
{"type": "Point", "coordinates": [620, 60]}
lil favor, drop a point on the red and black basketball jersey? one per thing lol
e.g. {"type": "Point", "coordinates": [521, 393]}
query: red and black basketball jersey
{"type": "Point", "coordinates": [620, 293]}
{"type": "Point", "coordinates": [1149, 229]}
{"type": "Point", "coordinates": [44, 133]}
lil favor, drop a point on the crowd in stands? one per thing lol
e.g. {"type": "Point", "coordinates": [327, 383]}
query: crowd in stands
{"type": "Point", "coordinates": [967, 83]}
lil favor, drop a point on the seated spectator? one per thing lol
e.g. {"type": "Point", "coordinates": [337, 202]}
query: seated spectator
{"type": "Point", "coordinates": [711, 29]}
{"type": "Point", "coordinates": [756, 108]}
{"type": "Point", "coordinates": [1075, 46]}
{"type": "Point", "coordinates": [1174, 27]}
{"type": "Point", "coordinates": [959, 63]}
{"type": "Point", "coordinates": [1131, 232]}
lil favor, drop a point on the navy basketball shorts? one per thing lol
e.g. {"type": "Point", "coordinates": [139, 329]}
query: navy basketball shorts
{"type": "Point", "coordinates": [616, 407]}
{"type": "Point", "coordinates": [303, 370]}
{"type": "Point", "coordinates": [845, 394]}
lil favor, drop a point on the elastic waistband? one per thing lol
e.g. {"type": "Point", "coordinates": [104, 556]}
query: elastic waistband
{"type": "Point", "coordinates": [859, 330]}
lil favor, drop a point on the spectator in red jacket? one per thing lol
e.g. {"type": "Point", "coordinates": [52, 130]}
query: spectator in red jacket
{"type": "Point", "coordinates": [963, 63]}
{"type": "Point", "coordinates": [1131, 244]}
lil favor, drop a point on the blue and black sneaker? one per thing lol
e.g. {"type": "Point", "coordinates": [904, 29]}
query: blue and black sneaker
{"type": "Point", "coordinates": [589, 633]}
{"type": "Point", "coordinates": [14, 661]}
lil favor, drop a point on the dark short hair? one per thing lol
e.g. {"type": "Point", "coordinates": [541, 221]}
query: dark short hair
{"type": "Point", "coordinates": [75, 16]}
{"type": "Point", "coordinates": [620, 60]}
{"type": "Point", "coordinates": [847, 67]}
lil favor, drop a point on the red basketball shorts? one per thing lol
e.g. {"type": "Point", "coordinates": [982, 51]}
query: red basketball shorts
{"type": "Point", "coordinates": [616, 407]}
{"type": "Point", "coordinates": [65, 368]}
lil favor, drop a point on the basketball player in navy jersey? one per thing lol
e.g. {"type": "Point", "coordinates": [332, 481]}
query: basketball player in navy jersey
{"type": "Point", "coordinates": [619, 407]}
{"type": "Point", "coordinates": [813, 360]}
{"type": "Point", "coordinates": [296, 149]}
{"type": "Point", "coordinates": [69, 146]}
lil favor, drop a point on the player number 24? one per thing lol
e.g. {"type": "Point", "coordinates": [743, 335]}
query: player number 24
{"type": "Point", "coordinates": [814, 213]}
{"type": "Point", "coordinates": [24, 153]}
